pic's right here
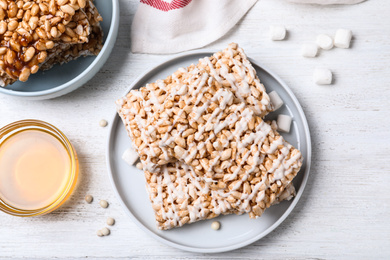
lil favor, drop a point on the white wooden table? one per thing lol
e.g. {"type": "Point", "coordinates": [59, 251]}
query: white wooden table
{"type": "Point", "coordinates": [345, 210]}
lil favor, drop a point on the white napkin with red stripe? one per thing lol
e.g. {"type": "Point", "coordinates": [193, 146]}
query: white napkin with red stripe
{"type": "Point", "coordinates": [170, 26]}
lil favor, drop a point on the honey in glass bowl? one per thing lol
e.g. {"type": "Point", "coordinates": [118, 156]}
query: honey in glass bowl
{"type": "Point", "coordinates": [38, 168]}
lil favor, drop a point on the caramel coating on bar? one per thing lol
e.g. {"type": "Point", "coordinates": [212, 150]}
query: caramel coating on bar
{"type": "Point", "coordinates": [29, 29]}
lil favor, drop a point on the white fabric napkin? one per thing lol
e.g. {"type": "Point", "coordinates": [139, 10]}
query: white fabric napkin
{"type": "Point", "coordinates": [170, 26]}
{"type": "Point", "coordinates": [326, 2]}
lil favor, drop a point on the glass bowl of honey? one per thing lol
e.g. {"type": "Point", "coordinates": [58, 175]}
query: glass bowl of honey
{"type": "Point", "coordinates": [38, 168]}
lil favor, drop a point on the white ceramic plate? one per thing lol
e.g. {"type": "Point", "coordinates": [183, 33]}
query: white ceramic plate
{"type": "Point", "coordinates": [62, 79]}
{"type": "Point", "coordinates": [236, 231]}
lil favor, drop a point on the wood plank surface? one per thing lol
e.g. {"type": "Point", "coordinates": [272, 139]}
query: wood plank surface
{"type": "Point", "coordinates": [344, 212]}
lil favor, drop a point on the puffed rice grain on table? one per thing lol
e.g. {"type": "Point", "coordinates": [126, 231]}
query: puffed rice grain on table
{"type": "Point", "coordinates": [216, 225]}
{"type": "Point", "coordinates": [110, 221]}
{"type": "Point", "coordinates": [103, 203]}
{"type": "Point", "coordinates": [103, 123]}
{"type": "Point", "coordinates": [105, 231]}
{"type": "Point", "coordinates": [88, 198]}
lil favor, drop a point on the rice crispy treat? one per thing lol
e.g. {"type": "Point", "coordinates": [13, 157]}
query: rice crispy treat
{"type": "Point", "coordinates": [32, 32]}
{"type": "Point", "coordinates": [65, 53]}
{"type": "Point", "coordinates": [232, 69]}
{"type": "Point", "coordinates": [144, 111]}
{"type": "Point", "coordinates": [202, 141]}
{"type": "Point", "coordinates": [179, 197]}
{"type": "Point", "coordinates": [248, 182]}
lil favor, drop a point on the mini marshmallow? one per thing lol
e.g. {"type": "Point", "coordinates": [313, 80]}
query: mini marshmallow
{"type": "Point", "coordinates": [309, 50]}
{"type": "Point", "coordinates": [276, 101]}
{"type": "Point", "coordinates": [284, 123]}
{"type": "Point", "coordinates": [277, 33]}
{"type": "Point", "coordinates": [324, 42]}
{"type": "Point", "coordinates": [129, 156]}
{"type": "Point", "coordinates": [322, 76]}
{"type": "Point", "coordinates": [342, 38]}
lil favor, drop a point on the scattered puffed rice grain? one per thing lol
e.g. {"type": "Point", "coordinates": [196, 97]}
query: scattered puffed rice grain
{"type": "Point", "coordinates": [309, 50]}
{"type": "Point", "coordinates": [277, 33]}
{"type": "Point", "coordinates": [88, 198]}
{"type": "Point", "coordinates": [342, 38]}
{"type": "Point", "coordinates": [105, 231]}
{"type": "Point", "coordinates": [130, 156]}
{"type": "Point", "coordinates": [103, 203]}
{"type": "Point", "coordinates": [322, 76]}
{"type": "Point", "coordinates": [276, 101]}
{"type": "Point", "coordinates": [99, 233]}
{"type": "Point", "coordinates": [110, 221]}
{"type": "Point", "coordinates": [284, 123]}
{"type": "Point", "coordinates": [215, 225]}
{"type": "Point", "coordinates": [324, 41]}
{"type": "Point", "coordinates": [103, 123]}
{"type": "Point", "coordinates": [139, 166]}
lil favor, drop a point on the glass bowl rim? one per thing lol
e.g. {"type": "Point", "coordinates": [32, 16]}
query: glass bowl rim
{"type": "Point", "coordinates": [26, 124]}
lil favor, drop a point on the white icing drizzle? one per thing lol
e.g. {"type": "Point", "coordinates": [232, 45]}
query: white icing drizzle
{"type": "Point", "coordinates": [240, 83]}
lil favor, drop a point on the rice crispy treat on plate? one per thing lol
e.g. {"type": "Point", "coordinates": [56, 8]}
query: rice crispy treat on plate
{"type": "Point", "coordinates": [203, 144]}
{"type": "Point", "coordinates": [144, 111]}
{"type": "Point", "coordinates": [232, 69]}
{"type": "Point", "coordinates": [33, 32]}
{"type": "Point", "coordinates": [249, 161]}
{"type": "Point", "coordinates": [240, 184]}
{"type": "Point", "coordinates": [178, 197]}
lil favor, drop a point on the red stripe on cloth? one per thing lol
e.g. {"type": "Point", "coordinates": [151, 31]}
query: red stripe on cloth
{"type": "Point", "coordinates": [164, 6]}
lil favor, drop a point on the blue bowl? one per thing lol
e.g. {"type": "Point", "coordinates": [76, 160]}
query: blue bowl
{"type": "Point", "coordinates": [62, 79]}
